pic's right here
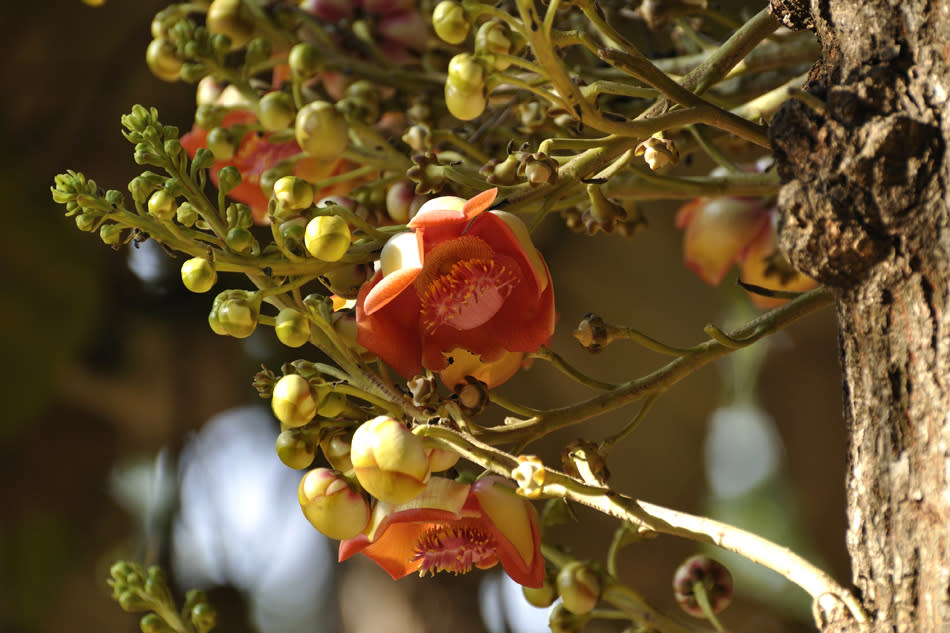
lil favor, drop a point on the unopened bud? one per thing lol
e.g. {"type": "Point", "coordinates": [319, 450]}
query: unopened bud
{"type": "Point", "coordinates": [294, 451]}
{"type": "Point", "coordinates": [332, 505]}
{"type": "Point", "coordinates": [449, 22]}
{"type": "Point", "coordinates": [293, 193]}
{"type": "Point", "coordinates": [579, 587]}
{"type": "Point", "coordinates": [659, 153]}
{"type": "Point", "coordinates": [321, 130]}
{"type": "Point", "coordinates": [293, 401]}
{"type": "Point", "coordinates": [328, 237]}
{"type": "Point", "coordinates": [198, 274]}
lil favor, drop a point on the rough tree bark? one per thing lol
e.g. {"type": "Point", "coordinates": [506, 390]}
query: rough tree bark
{"type": "Point", "coordinates": [866, 176]}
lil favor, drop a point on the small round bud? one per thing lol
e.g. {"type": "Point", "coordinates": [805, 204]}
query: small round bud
{"type": "Point", "coordinates": [493, 38]}
{"type": "Point", "coordinates": [187, 215]}
{"type": "Point", "coordinates": [327, 237]}
{"type": "Point", "coordinates": [579, 587]}
{"type": "Point", "coordinates": [321, 130]}
{"type": "Point", "coordinates": [240, 240]}
{"type": "Point", "coordinates": [235, 313]}
{"type": "Point", "coordinates": [336, 449]}
{"type": "Point", "coordinates": [449, 22]}
{"type": "Point", "coordinates": [162, 59]}
{"type": "Point", "coordinates": [467, 73]}
{"type": "Point", "coordinates": [198, 274]}
{"type": "Point", "coordinates": [153, 623]}
{"type": "Point", "coordinates": [221, 143]}
{"type": "Point", "coordinates": [305, 60]}
{"type": "Point", "coordinates": [293, 193]}
{"type": "Point", "coordinates": [332, 505]}
{"type": "Point", "coordinates": [86, 222]}
{"type": "Point", "coordinates": [541, 597]}
{"type": "Point", "coordinates": [231, 18]}
{"type": "Point", "coordinates": [204, 617]}
{"type": "Point", "coordinates": [294, 451]}
{"type": "Point", "coordinates": [292, 327]}
{"type": "Point", "coordinates": [701, 574]}
{"type": "Point", "coordinates": [389, 461]}
{"type": "Point", "coordinates": [110, 234]}
{"type": "Point", "coordinates": [345, 281]}
{"type": "Point", "coordinates": [560, 620]}
{"type": "Point", "coordinates": [464, 105]}
{"type": "Point", "coordinates": [276, 111]}
{"type": "Point", "coordinates": [228, 178]}
{"type": "Point", "coordinates": [293, 401]}
{"type": "Point", "coordinates": [162, 205]}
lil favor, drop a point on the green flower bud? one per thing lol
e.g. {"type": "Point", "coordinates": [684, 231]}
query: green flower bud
{"type": "Point", "coordinates": [86, 222]}
{"type": "Point", "coordinates": [209, 116]}
{"type": "Point", "coordinates": [204, 158]}
{"type": "Point", "coordinates": [294, 451]}
{"type": "Point", "coordinates": [221, 143]}
{"type": "Point", "coordinates": [579, 587]}
{"type": "Point", "coordinates": [276, 111]}
{"type": "Point", "coordinates": [236, 313]}
{"type": "Point", "coordinates": [186, 215]}
{"type": "Point", "coordinates": [162, 205]}
{"type": "Point", "coordinates": [192, 72]}
{"type": "Point", "coordinates": [561, 620]}
{"type": "Point", "coordinates": [293, 193]}
{"type": "Point", "coordinates": [131, 602]}
{"type": "Point", "coordinates": [467, 73]}
{"type": "Point", "coordinates": [198, 275]}
{"type": "Point", "coordinates": [492, 38]}
{"type": "Point", "coordinates": [258, 51]}
{"type": "Point", "coordinates": [228, 178]}
{"type": "Point", "coordinates": [240, 240]}
{"type": "Point", "coordinates": [292, 327]}
{"type": "Point", "coordinates": [110, 234]}
{"type": "Point", "coordinates": [541, 597]}
{"type": "Point", "coordinates": [231, 18]}
{"type": "Point", "coordinates": [204, 617]}
{"type": "Point", "coordinates": [336, 449]}
{"type": "Point", "coordinates": [270, 176]}
{"type": "Point", "coordinates": [305, 60]}
{"type": "Point", "coordinates": [153, 623]}
{"type": "Point", "coordinates": [327, 237]}
{"type": "Point", "coordinates": [332, 505]}
{"type": "Point", "coordinates": [449, 22]}
{"type": "Point", "coordinates": [345, 281]}
{"type": "Point", "coordinates": [292, 232]}
{"type": "Point", "coordinates": [162, 59]}
{"type": "Point", "coordinates": [293, 401]}
{"type": "Point", "coordinates": [321, 130]}
{"type": "Point", "coordinates": [239, 214]}
{"type": "Point", "coordinates": [389, 461]}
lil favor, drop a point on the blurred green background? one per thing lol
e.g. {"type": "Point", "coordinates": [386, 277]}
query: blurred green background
{"type": "Point", "coordinates": [101, 368]}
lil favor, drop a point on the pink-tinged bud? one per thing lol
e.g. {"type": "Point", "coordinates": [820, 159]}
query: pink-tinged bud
{"type": "Point", "coordinates": [440, 458]}
{"type": "Point", "coordinates": [718, 231]}
{"type": "Point", "coordinates": [293, 401]}
{"type": "Point", "coordinates": [579, 586]}
{"type": "Point", "coordinates": [702, 575]}
{"type": "Point", "coordinates": [336, 449]}
{"type": "Point", "coordinates": [332, 505]}
{"type": "Point", "coordinates": [389, 461]}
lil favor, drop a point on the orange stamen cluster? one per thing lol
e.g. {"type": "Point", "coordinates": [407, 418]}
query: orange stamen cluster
{"type": "Point", "coordinates": [454, 547]}
{"type": "Point", "coordinates": [468, 295]}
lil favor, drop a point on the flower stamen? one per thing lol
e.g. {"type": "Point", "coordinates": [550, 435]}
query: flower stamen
{"type": "Point", "coordinates": [468, 295]}
{"type": "Point", "coordinates": [454, 547]}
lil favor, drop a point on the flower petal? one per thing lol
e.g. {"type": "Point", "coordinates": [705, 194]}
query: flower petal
{"type": "Point", "coordinates": [517, 529]}
{"type": "Point", "coordinates": [392, 331]}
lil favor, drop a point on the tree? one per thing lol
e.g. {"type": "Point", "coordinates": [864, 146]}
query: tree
{"type": "Point", "coordinates": [864, 206]}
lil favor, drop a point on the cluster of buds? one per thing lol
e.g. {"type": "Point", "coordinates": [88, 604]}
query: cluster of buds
{"type": "Point", "coordinates": [604, 214]}
{"type": "Point", "coordinates": [138, 590]}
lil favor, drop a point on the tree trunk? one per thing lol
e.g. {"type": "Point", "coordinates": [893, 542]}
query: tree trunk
{"type": "Point", "coordinates": [865, 210]}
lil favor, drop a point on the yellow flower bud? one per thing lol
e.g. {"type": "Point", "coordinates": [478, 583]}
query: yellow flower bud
{"type": "Point", "coordinates": [390, 462]}
{"type": "Point", "coordinates": [162, 59]}
{"type": "Point", "coordinates": [198, 274]}
{"type": "Point", "coordinates": [579, 586]}
{"type": "Point", "coordinates": [336, 448]}
{"type": "Point", "coordinates": [449, 23]}
{"type": "Point", "coordinates": [276, 111]}
{"type": "Point", "coordinates": [332, 505]}
{"type": "Point", "coordinates": [327, 237]}
{"type": "Point", "coordinates": [292, 327]}
{"type": "Point", "coordinates": [161, 205]}
{"type": "Point", "coordinates": [321, 130]}
{"type": "Point", "coordinates": [293, 401]}
{"type": "Point", "coordinates": [293, 193]}
{"type": "Point", "coordinates": [231, 18]}
{"type": "Point", "coordinates": [294, 451]}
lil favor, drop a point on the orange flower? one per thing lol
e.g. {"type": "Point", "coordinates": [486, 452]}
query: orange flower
{"type": "Point", "coordinates": [454, 527]}
{"type": "Point", "coordinates": [254, 155]}
{"type": "Point", "coordinates": [465, 281]}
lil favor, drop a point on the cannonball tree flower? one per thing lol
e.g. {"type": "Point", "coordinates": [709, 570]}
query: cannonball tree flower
{"type": "Point", "coordinates": [455, 527]}
{"type": "Point", "coordinates": [764, 265]}
{"type": "Point", "coordinates": [464, 293]}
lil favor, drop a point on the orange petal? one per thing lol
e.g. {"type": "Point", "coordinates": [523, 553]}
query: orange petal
{"type": "Point", "coordinates": [479, 203]}
{"type": "Point", "coordinates": [388, 288]}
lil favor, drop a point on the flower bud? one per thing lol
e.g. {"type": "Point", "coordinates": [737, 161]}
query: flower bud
{"type": "Point", "coordinates": [162, 59]}
{"type": "Point", "coordinates": [659, 153]}
{"type": "Point", "coordinates": [389, 461]}
{"type": "Point", "coordinates": [529, 475]}
{"type": "Point", "coordinates": [204, 617]}
{"type": "Point", "coordinates": [336, 450]}
{"type": "Point", "coordinates": [293, 401]}
{"type": "Point", "coordinates": [292, 327]}
{"type": "Point", "coordinates": [110, 234]}
{"type": "Point", "coordinates": [186, 214]}
{"type": "Point", "coordinates": [294, 451]}
{"type": "Point", "coordinates": [560, 620]}
{"type": "Point", "coordinates": [235, 313]}
{"type": "Point", "coordinates": [228, 178]}
{"type": "Point", "coordinates": [328, 237]}
{"type": "Point", "coordinates": [198, 274]}
{"type": "Point", "coordinates": [332, 505]}
{"type": "Point", "coordinates": [440, 457]}
{"type": "Point", "coordinates": [276, 111]}
{"type": "Point", "coordinates": [293, 193]}
{"type": "Point", "coordinates": [231, 18]}
{"type": "Point", "coordinates": [449, 22]}
{"type": "Point", "coordinates": [305, 60]}
{"type": "Point", "coordinates": [492, 38]}
{"type": "Point", "coordinates": [162, 205]}
{"type": "Point", "coordinates": [465, 87]}
{"type": "Point", "coordinates": [321, 130]}
{"type": "Point", "coordinates": [221, 143]}
{"type": "Point", "coordinates": [702, 574]}
{"type": "Point", "coordinates": [579, 587]}
{"type": "Point", "coordinates": [153, 623]}
{"type": "Point", "coordinates": [345, 280]}
{"type": "Point", "coordinates": [332, 405]}
{"type": "Point", "coordinates": [240, 240]}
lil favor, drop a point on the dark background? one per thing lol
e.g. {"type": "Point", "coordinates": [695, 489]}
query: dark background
{"type": "Point", "coordinates": [100, 369]}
